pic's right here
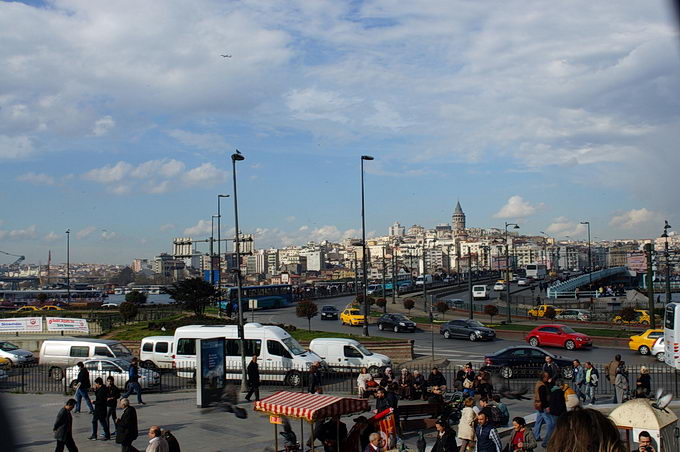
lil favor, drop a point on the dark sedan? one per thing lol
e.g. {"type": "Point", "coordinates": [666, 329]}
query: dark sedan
{"type": "Point", "coordinates": [329, 313]}
{"type": "Point", "coordinates": [468, 329]}
{"type": "Point", "coordinates": [524, 361]}
{"type": "Point", "coordinates": [396, 323]}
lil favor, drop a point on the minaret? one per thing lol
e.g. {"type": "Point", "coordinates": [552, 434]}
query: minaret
{"type": "Point", "coordinates": [458, 221]}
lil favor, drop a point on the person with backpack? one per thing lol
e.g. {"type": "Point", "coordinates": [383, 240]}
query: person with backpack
{"type": "Point", "coordinates": [558, 407]}
{"type": "Point", "coordinates": [173, 444]}
{"type": "Point", "coordinates": [505, 413]}
{"type": "Point", "coordinates": [492, 412]}
{"type": "Point", "coordinates": [592, 379]}
{"type": "Point", "coordinates": [133, 382]}
{"type": "Point", "coordinates": [487, 436]}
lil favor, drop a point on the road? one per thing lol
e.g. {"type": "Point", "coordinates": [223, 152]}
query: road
{"type": "Point", "coordinates": [453, 349]}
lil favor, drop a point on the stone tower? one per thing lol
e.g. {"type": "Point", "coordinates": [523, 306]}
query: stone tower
{"type": "Point", "coordinates": [458, 221]}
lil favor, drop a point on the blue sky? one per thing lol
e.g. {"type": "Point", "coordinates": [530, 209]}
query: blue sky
{"type": "Point", "coordinates": [117, 119]}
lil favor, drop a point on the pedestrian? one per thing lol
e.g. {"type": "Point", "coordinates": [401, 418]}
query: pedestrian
{"type": "Point", "coordinates": [419, 386]}
{"type": "Point", "coordinates": [229, 309]}
{"type": "Point", "coordinates": [373, 443]}
{"type": "Point", "coordinates": [173, 444]}
{"type": "Point", "coordinates": [585, 430]}
{"type": "Point", "coordinates": [621, 383]}
{"type": "Point", "coordinates": [253, 379]}
{"type": "Point", "coordinates": [505, 413]}
{"type": "Point", "coordinates": [645, 442]}
{"type": "Point", "coordinates": [127, 426]}
{"type": "Point", "coordinates": [112, 401]}
{"type": "Point", "coordinates": [446, 438]}
{"type": "Point", "coordinates": [610, 372]}
{"type": "Point", "coordinates": [592, 381]}
{"type": "Point", "coordinates": [522, 439]}
{"type": "Point", "coordinates": [63, 428]}
{"type": "Point", "coordinates": [483, 385]}
{"type": "Point", "coordinates": [405, 382]}
{"type": "Point", "coordinates": [570, 397]}
{"type": "Point", "coordinates": [551, 368]}
{"type": "Point", "coordinates": [82, 386]}
{"type": "Point", "coordinates": [133, 382]}
{"type": "Point", "coordinates": [487, 436]}
{"type": "Point", "coordinates": [385, 399]}
{"type": "Point", "coordinates": [314, 378]}
{"type": "Point", "coordinates": [436, 381]}
{"type": "Point", "coordinates": [100, 409]}
{"type": "Point", "coordinates": [542, 405]}
{"type": "Point", "coordinates": [557, 408]}
{"type": "Point", "coordinates": [466, 377]}
{"type": "Point", "coordinates": [579, 380]}
{"type": "Point", "coordinates": [466, 425]}
{"type": "Point", "coordinates": [156, 441]}
{"type": "Point", "coordinates": [643, 384]}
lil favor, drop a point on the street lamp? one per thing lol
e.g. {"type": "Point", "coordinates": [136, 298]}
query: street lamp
{"type": "Point", "coordinates": [590, 257]}
{"type": "Point", "coordinates": [237, 157]}
{"type": "Point", "coordinates": [545, 250]}
{"type": "Point", "coordinates": [68, 264]}
{"type": "Point", "coordinates": [219, 244]}
{"type": "Point", "coordinates": [666, 227]}
{"type": "Point", "coordinates": [212, 253]}
{"type": "Point", "coordinates": [363, 245]}
{"type": "Point", "coordinates": [507, 267]}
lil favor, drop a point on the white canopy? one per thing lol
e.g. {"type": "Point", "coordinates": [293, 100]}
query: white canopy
{"type": "Point", "coordinates": [639, 413]}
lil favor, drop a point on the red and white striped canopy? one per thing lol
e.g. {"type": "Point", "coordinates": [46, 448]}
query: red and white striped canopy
{"type": "Point", "coordinates": [310, 407]}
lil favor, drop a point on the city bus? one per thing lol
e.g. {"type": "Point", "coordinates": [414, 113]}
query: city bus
{"type": "Point", "coordinates": [537, 271]}
{"type": "Point", "coordinates": [671, 332]}
{"type": "Point", "coordinates": [263, 297]}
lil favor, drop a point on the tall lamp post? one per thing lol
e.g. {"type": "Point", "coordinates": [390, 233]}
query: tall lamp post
{"type": "Point", "coordinates": [590, 258]}
{"type": "Point", "coordinates": [668, 262]}
{"type": "Point", "coordinates": [507, 267]}
{"type": "Point", "coordinates": [545, 250]}
{"type": "Point", "coordinates": [219, 244]}
{"type": "Point", "coordinates": [212, 250]}
{"type": "Point", "coordinates": [363, 245]}
{"type": "Point", "coordinates": [237, 157]}
{"type": "Point", "coordinates": [68, 264]}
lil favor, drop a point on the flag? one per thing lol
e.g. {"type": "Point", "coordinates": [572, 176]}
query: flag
{"type": "Point", "coordinates": [387, 427]}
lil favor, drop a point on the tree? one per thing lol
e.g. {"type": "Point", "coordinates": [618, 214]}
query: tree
{"type": "Point", "coordinates": [128, 311]}
{"type": "Point", "coordinates": [193, 294]}
{"type": "Point", "coordinates": [381, 303]}
{"type": "Point", "coordinates": [442, 307]}
{"type": "Point", "coordinates": [359, 300]}
{"type": "Point", "coordinates": [124, 277]}
{"type": "Point", "coordinates": [409, 304]}
{"type": "Point", "coordinates": [136, 297]}
{"type": "Point", "coordinates": [550, 312]}
{"type": "Point", "coordinates": [491, 310]}
{"type": "Point", "coordinates": [628, 314]}
{"type": "Point", "coordinates": [307, 309]}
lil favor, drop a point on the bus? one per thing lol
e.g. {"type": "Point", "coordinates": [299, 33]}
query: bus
{"type": "Point", "coordinates": [536, 271]}
{"type": "Point", "coordinates": [671, 334]}
{"type": "Point", "coordinates": [263, 297]}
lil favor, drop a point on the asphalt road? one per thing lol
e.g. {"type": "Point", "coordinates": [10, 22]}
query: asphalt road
{"type": "Point", "coordinates": [453, 349]}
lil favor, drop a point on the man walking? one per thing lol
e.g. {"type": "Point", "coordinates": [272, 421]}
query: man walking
{"type": "Point", "coordinates": [133, 379]}
{"type": "Point", "coordinates": [83, 380]}
{"type": "Point", "coordinates": [63, 428]}
{"type": "Point", "coordinates": [127, 427]}
{"type": "Point", "coordinates": [100, 405]}
{"type": "Point", "coordinates": [253, 379]}
{"type": "Point", "coordinates": [610, 372]}
{"type": "Point", "coordinates": [558, 407]}
{"type": "Point", "coordinates": [579, 380]}
{"type": "Point", "coordinates": [551, 368]}
{"type": "Point", "coordinates": [486, 435]}
{"type": "Point", "coordinates": [542, 405]}
{"type": "Point", "coordinates": [112, 401]}
{"type": "Point", "coordinates": [592, 379]}
{"type": "Point", "coordinates": [156, 441]}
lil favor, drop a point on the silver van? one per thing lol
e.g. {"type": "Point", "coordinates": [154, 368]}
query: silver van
{"type": "Point", "coordinates": [62, 353]}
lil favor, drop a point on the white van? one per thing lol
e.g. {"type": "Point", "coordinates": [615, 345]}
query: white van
{"type": "Point", "coordinates": [339, 352]}
{"type": "Point", "coordinates": [280, 356]}
{"type": "Point", "coordinates": [155, 352]}
{"type": "Point", "coordinates": [480, 292]}
{"type": "Point", "coordinates": [67, 352]}
{"type": "Point", "coordinates": [426, 279]}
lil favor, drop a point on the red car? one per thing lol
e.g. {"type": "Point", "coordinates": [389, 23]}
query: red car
{"type": "Point", "coordinates": [559, 336]}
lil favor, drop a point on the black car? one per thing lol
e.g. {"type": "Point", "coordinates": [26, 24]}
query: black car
{"type": "Point", "coordinates": [329, 313]}
{"type": "Point", "coordinates": [466, 328]}
{"type": "Point", "coordinates": [525, 361]}
{"type": "Point", "coordinates": [396, 323]}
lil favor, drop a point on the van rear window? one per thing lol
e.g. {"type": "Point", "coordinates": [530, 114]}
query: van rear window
{"type": "Point", "coordinates": [147, 347]}
{"type": "Point", "coordinates": [79, 351]}
{"type": "Point", "coordinates": [161, 347]}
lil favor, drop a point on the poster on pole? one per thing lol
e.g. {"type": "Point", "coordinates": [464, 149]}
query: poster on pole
{"type": "Point", "coordinates": [210, 367]}
{"type": "Point", "coordinates": [21, 325]}
{"type": "Point", "coordinates": [64, 324]}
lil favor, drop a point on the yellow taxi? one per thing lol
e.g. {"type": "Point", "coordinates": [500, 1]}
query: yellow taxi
{"type": "Point", "coordinates": [5, 363]}
{"type": "Point", "coordinates": [352, 316]}
{"type": "Point", "coordinates": [641, 317]}
{"type": "Point", "coordinates": [51, 308]}
{"type": "Point", "coordinates": [28, 309]}
{"type": "Point", "coordinates": [643, 342]}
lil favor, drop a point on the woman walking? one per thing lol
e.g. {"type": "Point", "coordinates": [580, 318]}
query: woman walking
{"type": "Point", "coordinates": [523, 439]}
{"type": "Point", "coordinates": [621, 383]}
{"type": "Point", "coordinates": [466, 425]}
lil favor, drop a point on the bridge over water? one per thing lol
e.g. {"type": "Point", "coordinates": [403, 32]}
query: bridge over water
{"type": "Point", "coordinates": [567, 289]}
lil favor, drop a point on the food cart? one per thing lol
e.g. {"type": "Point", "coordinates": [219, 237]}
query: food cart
{"type": "Point", "coordinates": [638, 415]}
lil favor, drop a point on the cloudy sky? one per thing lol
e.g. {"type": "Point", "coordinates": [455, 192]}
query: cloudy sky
{"type": "Point", "coordinates": [117, 119]}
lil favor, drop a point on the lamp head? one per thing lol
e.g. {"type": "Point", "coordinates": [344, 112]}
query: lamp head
{"type": "Point", "coordinates": [667, 226]}
{"type": "Point", "coordinates": [585, 222]}
{"type": "Point", "coordinates": [68, 231]}
{"type": "Point", "coordinates": [367, 157]}
{"type": "Point", "coordinates": [237, 156]}
{"type": "Point", "coordinates": [222, 196]}
{"type": "Point", "coordinates": [516, 226]}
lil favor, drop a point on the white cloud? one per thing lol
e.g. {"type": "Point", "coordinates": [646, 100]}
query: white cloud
{"type": "Point", "coordinates": [634, 218]}
{"type": "Point", "coordinates": [204, 141]}
{"type": "Point", "coordinates": [36, 178]}
{"type": "Point", "coordinates": [201, 228]}
{"type": "Point", "coordinates": [103, 125]}
{"type": "Point", "coordinates": [29, 232]}
{"type": "Point", "coordinates": [206, 174]}
{"type": "Point", "coordinates": [563, 226]}
{"type": "Point", "coordinates": [108, 173]}
{"type": "Point", "coordinates": [166, 227]}
{"type": "Point", "coordinates": [83, 233]}
{"type": "Point", "coordinates": [516, 207]}
{"type": "Point", "coordinates": [51, 237]}
{"type": "Point", "coordinates": [15, 148]}
{"type": "Point", "coordinates": [108, 235]}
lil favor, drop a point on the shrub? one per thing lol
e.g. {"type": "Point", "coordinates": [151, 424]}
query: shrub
{"type": "Point", "coordinates": [409, 303]}
{"type": "Point", "coordinates": [491, 310]}
{"type": "Point", "coordinates": [442, 307]}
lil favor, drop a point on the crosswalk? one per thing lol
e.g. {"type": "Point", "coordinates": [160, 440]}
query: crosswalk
{"type": "Point", "coordinates": [449, 353]}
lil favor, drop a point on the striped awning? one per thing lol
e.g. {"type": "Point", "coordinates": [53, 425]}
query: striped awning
{"type": "Point", "coordinates": [310, 407]}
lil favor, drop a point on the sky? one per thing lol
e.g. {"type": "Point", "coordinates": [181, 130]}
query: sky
{"type": "Point", "coordinates": [117, 120]}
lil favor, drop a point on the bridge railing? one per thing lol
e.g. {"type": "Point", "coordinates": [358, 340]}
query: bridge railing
{"type": "Point", "coordinates": [572, 284]}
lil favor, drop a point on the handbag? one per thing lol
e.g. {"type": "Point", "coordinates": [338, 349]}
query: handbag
{"type": "Point", "coordinates": [371, 384]}
{"type": "Point", "coordinates": [467, 384]}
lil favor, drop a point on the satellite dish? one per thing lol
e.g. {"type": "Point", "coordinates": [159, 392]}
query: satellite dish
{"type": "Point", "coordinates": [664, 401]}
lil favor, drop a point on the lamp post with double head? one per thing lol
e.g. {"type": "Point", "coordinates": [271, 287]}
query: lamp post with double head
{"type": "Point", "coordinates": [507, 268]}
{"type": "Point", "coordinates": [668, 262]}
{"type": "Point", "coordinates": [219, 244]}
{"type": "Point", "coordinates": [68, 264]}
{"type": "Point", "coordinates": [363, 245]}
{"type": "Point", "coordinates": [237, 157]}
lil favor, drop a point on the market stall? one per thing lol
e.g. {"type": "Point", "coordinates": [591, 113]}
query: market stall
{"type": "Point", "coordinates": [639, 415]}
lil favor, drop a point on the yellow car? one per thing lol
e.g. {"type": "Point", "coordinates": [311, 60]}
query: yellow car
{"type": "Point", "coordinates": [352, 316]}
{"type": "Point", "coordinates": [51, 308]}
{"type": "Point", "coordinates": [28, 309]}
{"type": "Point", "coordinates": [643, 342]}
{"type": "Point", "coordinates": [5, 363]}
{"type": "Point", "coordinates": [641, 317]}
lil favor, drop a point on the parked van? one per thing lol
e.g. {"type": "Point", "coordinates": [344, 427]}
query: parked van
{"type": "Point", "coordinates": [480, 292]}
{"type": "Point", "coordinates": [155, 352]}
{"type": "Point", "coordinates": [280, 356]}
{"type": "Point", "coordinates": [63, 353]}
{"type": "Point", "coordinates": [337, 352]}
{"type": "Point", "coordinates": [426, 279]}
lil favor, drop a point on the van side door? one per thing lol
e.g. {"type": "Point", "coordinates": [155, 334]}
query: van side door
{"type": "Point", "coordinates": [279, 358]}
{"type": "Point", "coordinates": [77, 353]}
{"type": "Point", "coordinates": [352, 357]}
{"type": "Point", "coordinates": [162, 354]}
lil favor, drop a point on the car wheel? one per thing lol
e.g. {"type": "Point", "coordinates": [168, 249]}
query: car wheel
{"type": "Point", "coordinates": [568, 372]}
{"type": "Point", "coordinates": [56, 373]}
{"type": "Point", "coordinates": [506, 372]}
{"type": "Point", "coordinates": [148, 364]}
{"type": "Point", "coordinates": [661, 356]}
{"type": "Point", "coordinates": [473, 337]}
{"type": "Point", "coordinates": [644, 350]}
{"type": "Point", "coordinates": [447, 335]}
{"type": "Point", "coordinates": [569, 345]}
{"type": "Point", "coordinates": [381, 327]}
{"type": "Point", "coordinates": [294, 378]}
{"type": "Point", "coordinates": [396, 328]}
{"type": "Point", "coordinates": [533, 342]}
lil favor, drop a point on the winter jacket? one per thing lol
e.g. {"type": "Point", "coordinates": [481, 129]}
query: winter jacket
{"type": "Point", "coordinates": [466, 425]}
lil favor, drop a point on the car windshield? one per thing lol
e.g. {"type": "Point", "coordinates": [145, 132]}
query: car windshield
{"type": "Point", "coordinates": [474, 323]}
{"type": "Point", "coordinates": [568, 330]}
{"type": "Point", "coordinates": [364, 350]}
{"type": "Point", "coordinates": [328, 308]}
{"type": "Point", "coordinates": [293, 346]}
{"type": "Point", "coordinates": [354, 312]}
{"type": "Point", "coordinates": [120, 350]}
{"type": "Point", "coordinates": [401, 317]}
{"type": "Point", "coordinates": [8, 346]}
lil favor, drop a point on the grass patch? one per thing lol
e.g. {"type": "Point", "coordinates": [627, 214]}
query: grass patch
{"type": "Point", "coordinates": [140, 330]}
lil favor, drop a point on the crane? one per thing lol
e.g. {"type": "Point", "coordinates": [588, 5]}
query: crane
{"type": "Point", "coordinates": [16, 262]}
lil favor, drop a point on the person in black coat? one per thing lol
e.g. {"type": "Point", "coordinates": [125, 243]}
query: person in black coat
{"type": "Point", "coordinates": [100, 409]}
{"type": "Point", "coordinates": [83, 379]}
{"type": "Point", "coordinates": [253, 379]}
{"type": "Point", "coordinates": [112, 400]}
{"type": "Point", "coordinates": [446, 438]}
{"type": "Point", "coordinates": [436, 381]}
{"type": "Point", "coordinates": [127, 427]}
{"type": "Point", "coordinates": [63, 428]}
{"type": "Point", "coordinates": [314, 379]}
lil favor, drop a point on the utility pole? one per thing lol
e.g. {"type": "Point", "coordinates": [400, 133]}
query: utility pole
{"type": "Point", "coordinates": [424, 281]}
{"type": "Point", "coordinates": [384, 283]}
{"type": "Point", "coordinates": [649, 250]}
{"type": "Point", "coordinates": [394, 276]}
{"type": "Point", "coordinates": [507, 268]}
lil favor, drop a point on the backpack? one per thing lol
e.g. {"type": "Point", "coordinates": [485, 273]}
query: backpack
{"type": "Point", "coordinates": [496, 415]}
{"type": "Point", "coordinates": [173, 445]}
{"type": "Point", "coordinates": [594, 380]}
